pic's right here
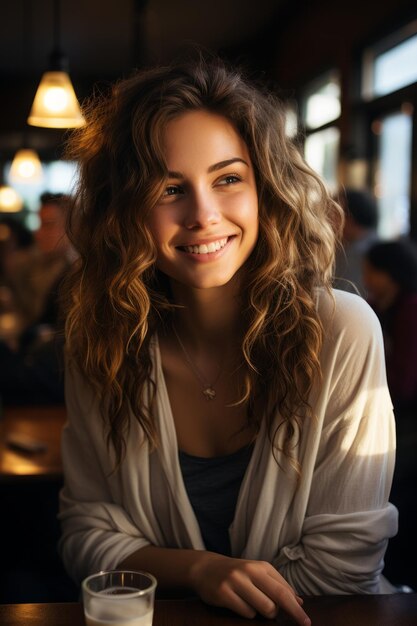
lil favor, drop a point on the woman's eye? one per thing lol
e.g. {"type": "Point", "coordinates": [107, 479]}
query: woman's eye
{"type": "Point", "coordinates": [172, 190]}
{"type": "Point", "coordinates": [230, 179]}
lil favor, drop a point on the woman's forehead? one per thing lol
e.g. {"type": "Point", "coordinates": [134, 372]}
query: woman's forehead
{"type": "Point", "coordinates": [201, 136]}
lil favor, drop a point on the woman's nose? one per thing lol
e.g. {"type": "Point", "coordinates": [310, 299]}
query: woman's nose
{"type": "Point", "coordinates": [201, 211]}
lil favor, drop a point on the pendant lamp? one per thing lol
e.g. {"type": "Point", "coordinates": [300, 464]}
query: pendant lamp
{"type": "Point", "coordinates": [55, 104]}
{"type": "Point", "coordinates": [26, 167]}
{"type": "Point", "coordinates": [10, 201]}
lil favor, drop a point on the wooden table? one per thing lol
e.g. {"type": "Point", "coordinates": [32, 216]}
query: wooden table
{"type": "Point", "coordinates": [29, 488]}
{"type": "Point", "coordinates": [42, 424]}
{"type": "Point", "coordinates": [394, 610]}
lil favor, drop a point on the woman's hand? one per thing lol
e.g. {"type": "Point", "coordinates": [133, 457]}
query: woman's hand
{"type": "Point", "coordinates": [246, 587]}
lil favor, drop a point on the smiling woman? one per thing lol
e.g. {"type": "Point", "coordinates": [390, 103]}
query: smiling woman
{"type": "Point", "coordinates": [205, 225]}
{"type": "Point", "coordinates": [211, 369]}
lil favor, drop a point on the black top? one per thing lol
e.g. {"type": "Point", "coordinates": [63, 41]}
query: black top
{"type": "Point", "coordinates": [213, 485]}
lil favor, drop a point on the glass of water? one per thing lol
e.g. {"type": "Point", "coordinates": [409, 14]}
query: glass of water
{"type": "Point", "coordinates": [119, 598]}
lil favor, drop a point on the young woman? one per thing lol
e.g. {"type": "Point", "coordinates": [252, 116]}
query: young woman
{"type": "Point", "coordinates": [230, 428]}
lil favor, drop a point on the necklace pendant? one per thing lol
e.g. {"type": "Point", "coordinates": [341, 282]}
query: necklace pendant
{"type": "Point", "coordinates": [209, 393]}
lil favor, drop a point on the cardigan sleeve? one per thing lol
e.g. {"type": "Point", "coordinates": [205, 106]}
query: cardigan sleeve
{"type": "Point", "coordinates": [97, 531]}
{"type": "Point", "coordinates": [348, 518]}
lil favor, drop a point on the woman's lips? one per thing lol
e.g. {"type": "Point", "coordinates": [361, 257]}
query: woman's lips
{"type": "Point", "coordinates": [207, 251]}
{"type": "Point", "coordinates": [206, 248]}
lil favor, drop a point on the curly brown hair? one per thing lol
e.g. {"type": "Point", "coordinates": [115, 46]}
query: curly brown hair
{"type": "Point", "coordinates": [117, 299]}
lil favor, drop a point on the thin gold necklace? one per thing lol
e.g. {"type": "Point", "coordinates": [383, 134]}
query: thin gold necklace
{"type": "Point", "coordinates": [208, 390]}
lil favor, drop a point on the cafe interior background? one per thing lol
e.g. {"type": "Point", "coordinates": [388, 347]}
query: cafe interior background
{"type": "Point", "coordinates": [347, 72]}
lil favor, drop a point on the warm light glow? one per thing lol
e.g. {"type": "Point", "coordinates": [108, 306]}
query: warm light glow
{"type": "Point", "coordinates": [55, 99]}
{"type": "Point", "coordinates": [8, 321]}
{"type": "Point", "coordinates": [55, 104]}
{"type": "Point", "coordinates": [26, 167]}
{"type": "Point", "coordinates": [10, 201]}
{"type": "Point", "coordinates": [367, 438]}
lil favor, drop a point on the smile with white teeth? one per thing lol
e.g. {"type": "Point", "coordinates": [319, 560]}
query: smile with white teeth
{"type": "Point", "coordinates": [208, 248]}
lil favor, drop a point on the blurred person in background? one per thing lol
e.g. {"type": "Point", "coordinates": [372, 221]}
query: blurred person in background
{"type": "Point", "coordinates": [35, 283]}
{"type": "Point", "coordinates": [17, 246]}
{"type": "Point", "coordinates": [359, 233]}
{"type": "Point", "coordinates": [390, 277]}
{"type": "Point", "coordinates": [31, 359]}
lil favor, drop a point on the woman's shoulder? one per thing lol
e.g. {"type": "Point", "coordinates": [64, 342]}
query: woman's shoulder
{"type": "Point", "coordinates": [347, 314]}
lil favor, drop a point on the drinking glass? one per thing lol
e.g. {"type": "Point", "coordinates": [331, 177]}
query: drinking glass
{"type": "Point", "coordinates": [119, 598]}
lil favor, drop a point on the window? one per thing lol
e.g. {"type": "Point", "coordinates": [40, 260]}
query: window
{"type": "Point", "coordinates": [389, 91]}
{"type": "Point", "coordinates": [389, 66]}
{"type": "Point", "coordinates": [393, 173]}
{"type": "Point", "coordinates": [322, 101]}
{"type": "Point", "coordinates": [320, 111]}
{"type": "Point", "coordinates": [321, 153]}
{"type": "Point", "coordinates": [291, 120]}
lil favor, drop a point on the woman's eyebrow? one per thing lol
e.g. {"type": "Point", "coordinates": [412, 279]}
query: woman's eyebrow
{"type": "Point", "coordinates": [213, 168]}
{"type": "Point", "coordinates": [221, 164]}
{"type": "Point", "coordinates": [176, 175]}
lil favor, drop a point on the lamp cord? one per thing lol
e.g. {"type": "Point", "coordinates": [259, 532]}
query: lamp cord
{"type": "Point", "coordinates": [57, 25]}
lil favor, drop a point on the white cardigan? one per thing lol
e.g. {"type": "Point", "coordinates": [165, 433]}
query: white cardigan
{"type": "Point", "coordinates": [327, 536]}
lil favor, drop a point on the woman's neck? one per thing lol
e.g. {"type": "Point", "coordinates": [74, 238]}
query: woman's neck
{"type": "Point", "coordinates": [207, 317]}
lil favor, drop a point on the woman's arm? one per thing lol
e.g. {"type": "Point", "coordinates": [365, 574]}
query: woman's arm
{"type": "Point", "coordinates": [348, 518]}
{"type": "Point", "coordinates": [246, 587]}
{"type": "Point", "coordinates": [97, 531]}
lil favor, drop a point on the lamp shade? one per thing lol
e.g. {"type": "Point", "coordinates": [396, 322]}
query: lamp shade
{"type": "Point", "coordinates": [55, 104]}
{"type": "Point", "coordinates": [10, 201]}
{"type": "Point", "coordinates": [26, 167]}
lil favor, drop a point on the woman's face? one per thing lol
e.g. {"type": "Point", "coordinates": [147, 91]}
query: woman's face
{"type": "Point", "coordinates": [205, 224]}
